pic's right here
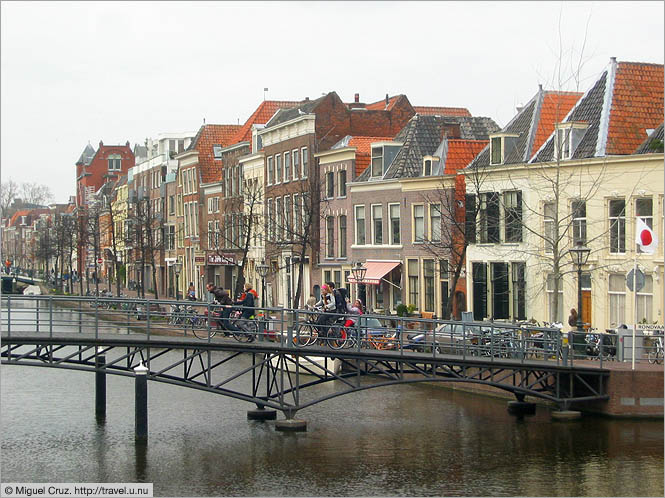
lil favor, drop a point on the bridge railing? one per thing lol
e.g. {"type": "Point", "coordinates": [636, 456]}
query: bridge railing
{"type": "Point", "coordinates": [294, 328]}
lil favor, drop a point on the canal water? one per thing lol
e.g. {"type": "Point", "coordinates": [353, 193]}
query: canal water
{"type": "Point", "coordinates": [410, 440]}
{"type": "Point", "coordinates": [415, 440]}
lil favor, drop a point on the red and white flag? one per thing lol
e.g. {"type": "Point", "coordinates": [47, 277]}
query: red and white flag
{"type": "Point", "coordinates": [645, 238]}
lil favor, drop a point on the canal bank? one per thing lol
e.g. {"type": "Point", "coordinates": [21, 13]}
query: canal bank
{"type": "Point", "coordinates": [633, 393]}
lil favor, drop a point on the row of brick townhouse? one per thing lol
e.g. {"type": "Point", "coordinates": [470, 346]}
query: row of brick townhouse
{"type": "Point", "coordinates": [446, 211]}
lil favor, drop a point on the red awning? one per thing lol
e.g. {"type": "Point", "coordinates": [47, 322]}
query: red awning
{"type": "Point", "coordinates": [376, 270]}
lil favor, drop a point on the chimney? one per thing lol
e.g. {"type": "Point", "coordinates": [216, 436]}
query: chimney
{"type": "Point", "coordinates": [387, 99]}
{"type": "Point", "coordinates": [127, 143]}
{"type": "Point", "coordinates": [307, 99]}
{"type": "Point", "coordinates": [613, 60]}
{"type": "Point", "coordinates": [101, 144]}
{"type": "Point", "coordinates": [356, 98]}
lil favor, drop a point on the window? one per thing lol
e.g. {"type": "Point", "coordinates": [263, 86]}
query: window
{"type": "Point", "coordinates": [428, 276]}
{"type": "Point", "coordinates": [519, 290]}
{"type": "Point", "coordinates": [287, 166]}
{"type": "Point", "coordinates": [435, 222]}
{"type": "Point", "coordinates": [296, 163]}
{"type": "Point", "coordinates": [271, 171]}
{"type": "Point", "coordinates": [196, 218]}
{"type": "Point", "coordinates": [548, 212]}
{"type": "Point", "coordinates": [342, 183]}
{"type": "Point", "coordinates": [394, 224]}
{"type": "Point", "coordinates": [412, 269]}
{"type": "Point", "coordinates": [172, 205]}
{"type": "Point", "coordinates": [489, 218]}
{"type": "Point", "coordinates": [330, 185]}
{"type": "Point", "coordinates": [418, 223]}
{"type": "Point", "coordinates": [645, 300]}
{"type": "Point", "coordinates": [377, 161]}
{"type": "Point", "coordinates": [566, 139]}
{"type": "Point", "coordinates": [181, 145]}
{"type": "Point", "coordinates": [618, 226]}
{"type": "Point", "coordinates": [278, 168]}
{"type": "Point", "coordinates": [114, 161]}
{"type": "Point", "coordinates": [644, 210]}
{"type": "Point", "coordinates": [210, 233]}
{"type": "Point", "coordinates": [579, 222]}
{"type": "Point", "coordinates": [342, 236]}
{"type": "Point", "coordinates": [337, 278]}
{"type": "Point", "coordinates": [330, 237]}
{"type": "Point", "coordinates": [280, 225]}
{"type": "Point", "coordinates": [495, 150]}
{"type": "Point", "coordinates": [297, 212]}
{"type": "Point", "coordinates": [171, 237]}
{"type": "Point", "coordinates": [216, 233]}
{"type": "Point", "coordinates": [305, 162]}
{"type": "Point", "coordinates": [470, 218]}
{"type": "Point", "coordinates": [555, 300]}
{"type": "Point", "coordinates": [360, 225]}
{"type": "Point", "coordinates": [513, 216]}
{"type": "Point", "coordinates": [500, 291]}
{"type": "Point", "coordinates": [617, 295]}
{"type": "Point", "coordinates": [377, 224]}
{"type": "Point", "coordinates": [271, 220]}
{"type": "Point", "coordinates": [288, 217]}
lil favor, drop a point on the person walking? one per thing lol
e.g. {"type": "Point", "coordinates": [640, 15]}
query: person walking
{"type": "Point", "coordinates": [191, 292]}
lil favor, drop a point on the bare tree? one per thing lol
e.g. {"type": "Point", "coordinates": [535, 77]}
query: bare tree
{"type": "Point", "coordinates": [9, 190]}
{"type": "Point", "coordinates": [34, 193]}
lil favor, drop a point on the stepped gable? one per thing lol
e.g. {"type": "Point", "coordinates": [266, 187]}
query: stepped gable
{"type": "Point", "coordinates": [656, 137]}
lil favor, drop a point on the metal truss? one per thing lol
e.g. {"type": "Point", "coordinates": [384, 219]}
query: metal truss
{"type": "Point", "coordinates": [280, 378]}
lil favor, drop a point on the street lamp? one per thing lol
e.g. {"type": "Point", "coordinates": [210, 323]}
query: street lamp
{"type": "Point", "coordinates": [579, 254]}
{"type": "Point", "coordinates": [177, 268]}
{"type": "Point", "coordinates": [262, 271]}
{"type": "Point", "coordinates": [358, 275]}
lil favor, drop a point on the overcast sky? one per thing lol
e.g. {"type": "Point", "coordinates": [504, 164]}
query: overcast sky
{"type": "Point", "coordinates": [79, 72]}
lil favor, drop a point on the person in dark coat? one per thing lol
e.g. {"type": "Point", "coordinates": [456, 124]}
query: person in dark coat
{"type": "Point", "coordinates": [247, 302]}
{"type": "Point", "coordinates": [222, 297]}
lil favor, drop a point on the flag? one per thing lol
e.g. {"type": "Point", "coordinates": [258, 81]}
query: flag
{"type": "Point", "coordinates": [645, 238]}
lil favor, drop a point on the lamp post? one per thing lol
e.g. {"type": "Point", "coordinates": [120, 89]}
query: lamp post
{"type": "Point", "coordinates": [262, 271]}
{"type": "Point", "coordinates": [177, 267]}
{"type": "Point", "coordinates": [579, 255]}
{"type": "Point", "coordinates": [358, 271]}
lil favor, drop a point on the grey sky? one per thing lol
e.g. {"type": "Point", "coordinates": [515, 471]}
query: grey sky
{"type": "Point", "coordinates": [74, 72]}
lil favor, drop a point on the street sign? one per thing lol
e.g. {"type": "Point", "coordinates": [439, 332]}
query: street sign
{"type": "Point", "coordinates": [640, 280]}
{"type": "Point", "coordinates": [100, 261]}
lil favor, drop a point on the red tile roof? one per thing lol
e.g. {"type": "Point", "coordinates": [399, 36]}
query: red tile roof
{"type": "Point", "coordinates": [441, 111]}
{"type": "Point", "coordinates": [17, 215]}
{"type": "Point", "coordinates": [554, 109]}
{"type": "Point", "coordinates": [461, 153]}
{"type": "Point", "coordinates": [381, 104]}
{"type": "Point", "coordinates": [364, 150]}
{"type": "Point", "coordinates": [637, 104]}
{"type": "Point", "coordinates": [208, 136]}
{"type": "Point", "coordinates": [263, 113]}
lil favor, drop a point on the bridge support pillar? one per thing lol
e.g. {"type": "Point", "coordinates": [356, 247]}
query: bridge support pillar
{"type": "Point", "coordinates": [261, 414]}
{"type": "Point", "coordinates": [565, 415]}
{"type": "Point", "coordinates": [141, 403]}
{"type": "Point", "coordinates": [521, 408]}
{"type": "Point", "coordinates": [100, 385]}
{"type": "Point", "coordinates": [291, 425]}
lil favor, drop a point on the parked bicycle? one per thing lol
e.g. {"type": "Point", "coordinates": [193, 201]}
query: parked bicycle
{"type": "Point", "coordinates": [656, 354]}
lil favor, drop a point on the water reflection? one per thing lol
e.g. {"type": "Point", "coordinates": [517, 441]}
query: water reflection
{"type": "Point", "coordinates": [415, 440]}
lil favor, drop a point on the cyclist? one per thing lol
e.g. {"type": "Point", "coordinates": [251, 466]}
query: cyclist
{"type": "Point", "coordinates": [247, 301]}
{"type": "Point", "coordinates": [328, 306]}
{"type": "Point", "coordinates": [222, 297]}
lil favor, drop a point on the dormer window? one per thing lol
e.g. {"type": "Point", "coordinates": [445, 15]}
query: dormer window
{"type": "Point", "coordinates": [501, 145]}
{"type": "Point", "coordinates": [382, 156]}
{"type": "Point", "coordinates": [567, 137]}
{"type": "Point", "coordinates": [217, 151]}
{"type": "Point", "coordinates": [430, 164]}
{"type": "Point", "coordinates": [114, 161]}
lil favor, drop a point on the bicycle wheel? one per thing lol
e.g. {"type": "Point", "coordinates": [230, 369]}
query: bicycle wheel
{"type": "Point", "coordinates": [337, 338]}
{"type": "Point", "coordinates": [305, 334]}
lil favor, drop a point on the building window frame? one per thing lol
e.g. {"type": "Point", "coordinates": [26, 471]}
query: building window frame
{"type": "Point", "coordinates": [376, 211]}
{"type": "Point", "coordinates": [360, 224]}
{"type": "Point", "coordinates": [617, 224]}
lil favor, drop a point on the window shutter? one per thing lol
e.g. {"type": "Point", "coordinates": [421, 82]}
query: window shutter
{"type": "Point", "coordinates": [493, 234]}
